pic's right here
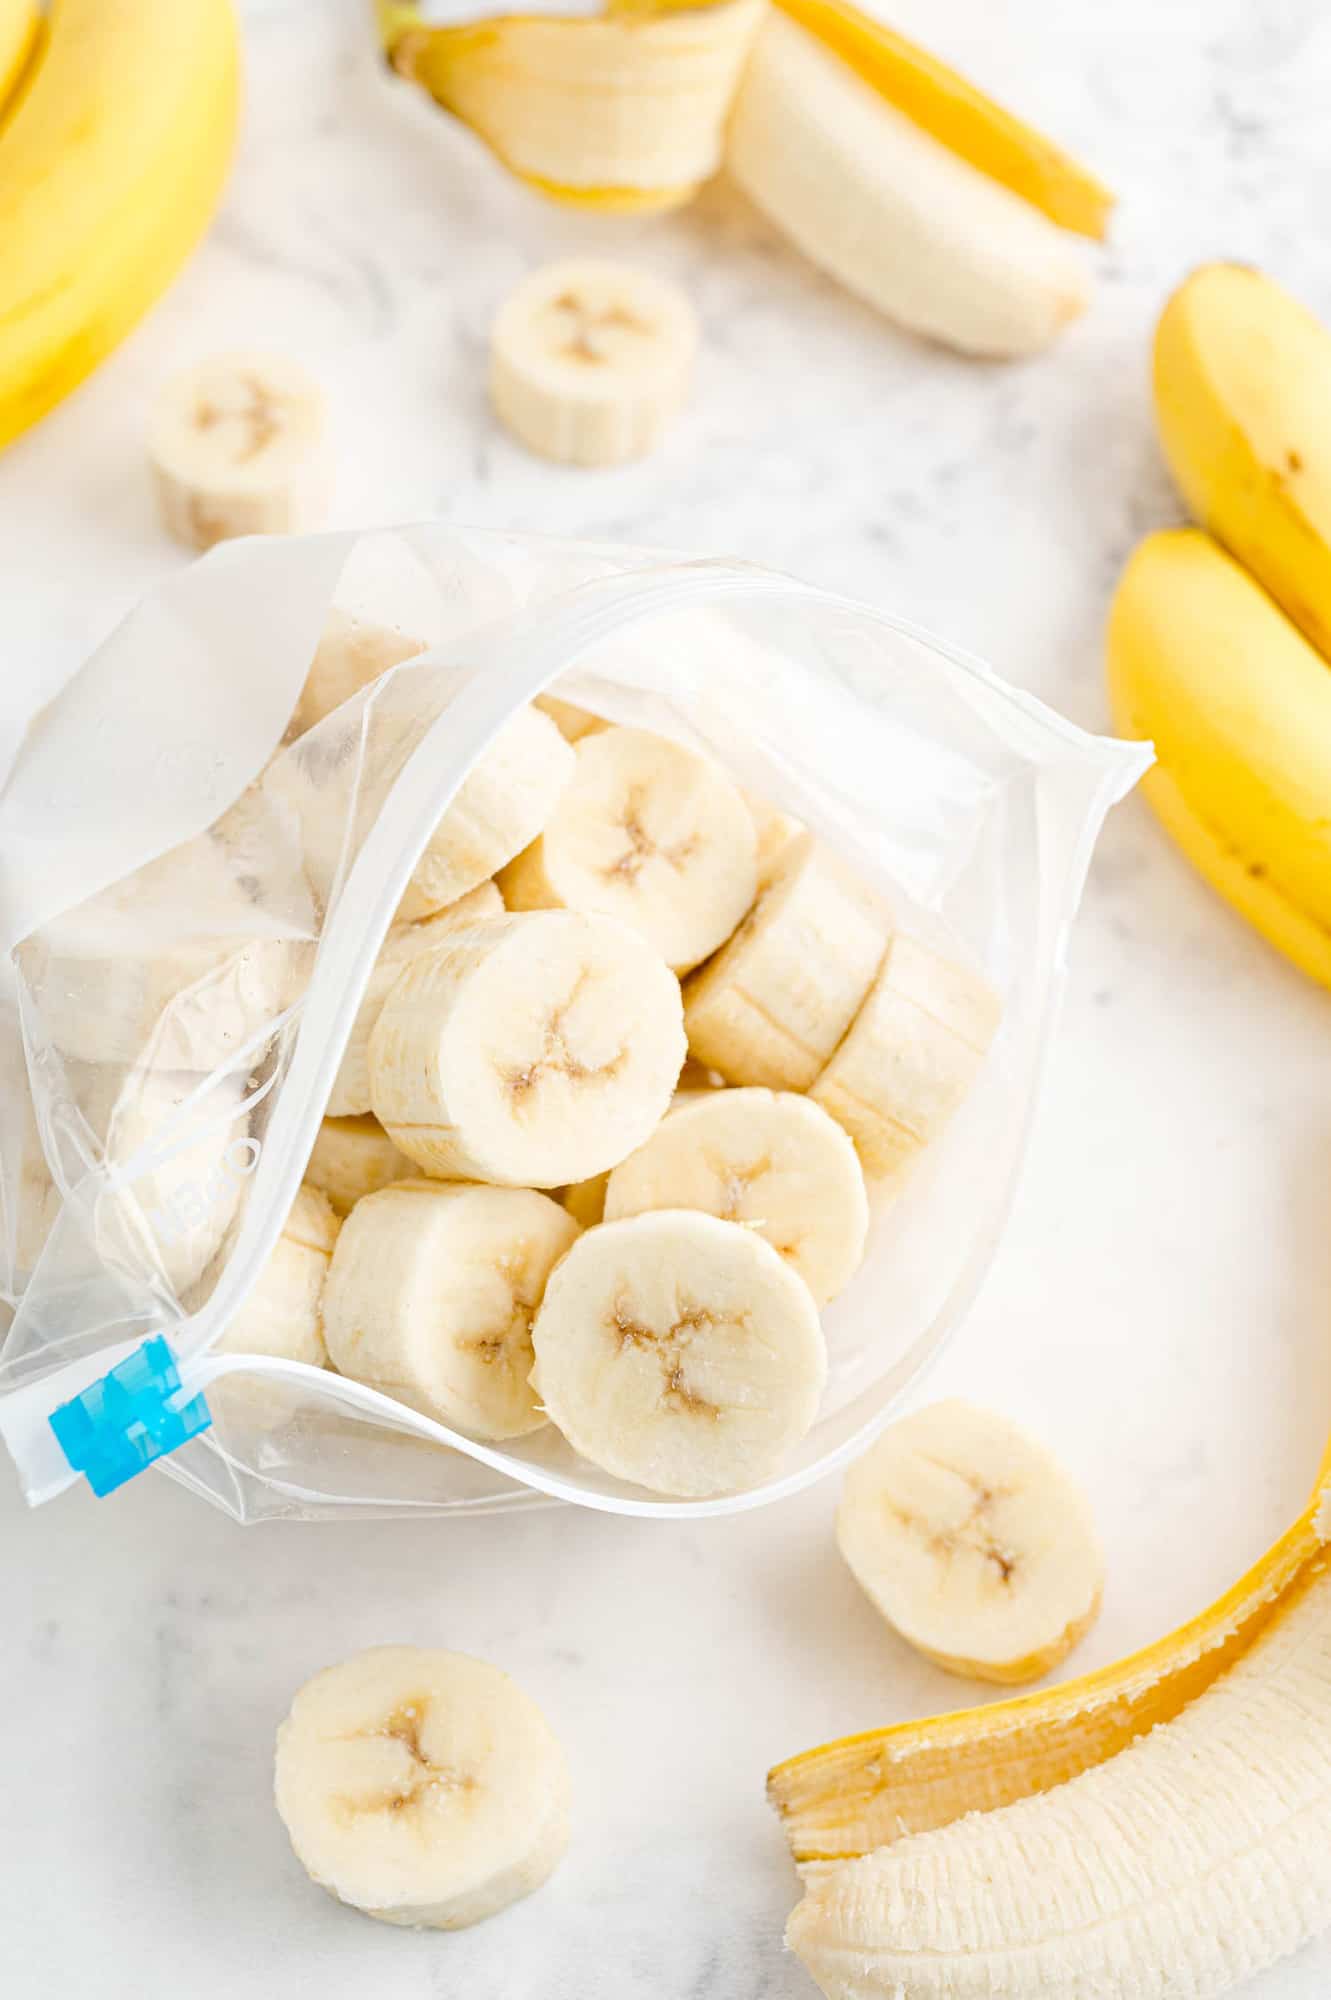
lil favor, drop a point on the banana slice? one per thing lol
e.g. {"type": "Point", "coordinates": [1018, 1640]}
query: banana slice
{"type": "Point", "coordinates": [422, 1787]}
{"type": "Point", "coordinates": [679, 1352]}
{"type": "Point", "coordinates": [572, 722]}
{"type": "Point", "coordinates": [283, 1315]}
{"type": "Point", "coordinates": [353, 1157]}
{"type": "Point", "coordinates": [531, 1050]}
{"type": "Point", "coordinates": [351, 653]}
{"type": "Point", "coordinates": [650, 834]}
{"type": "Point", "coordinates": [432, 1295]}
{"type": "Point", "coordinates": [589, 360]}
{"type": "Point", "coordinates": [585, 1200]}
{"type": "Point", "coordinates": [772, 1005]}
{"type": "Point", "coordinates": [238, 447]}
{"type": "Point", "coordinates": [774, 831]}
{"type": "Point", "coordinates": [350, 1094]}
{"type": "Point", "coordinates": [127, 978]}
{"type": "Point", "coordinates": [973, 1543]}
{"type": "Point", "coordinates": [911, 1056]}
{"type": "Point", "coordinates": [766, 1158]}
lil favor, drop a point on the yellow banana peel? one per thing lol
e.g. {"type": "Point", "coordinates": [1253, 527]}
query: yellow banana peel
{"type": "Point", "coordinates": [1242, 376]}
{"type": "Point", "coordinates": [869, 1790]}
{"type": "Point", "coordinates": [626, 110]}
{"type": "Point", "coordinates": [1238, 704]}
{"type": "Point", "coordinates": [22, 32]}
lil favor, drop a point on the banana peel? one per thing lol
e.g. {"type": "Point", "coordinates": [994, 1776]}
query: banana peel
{"type": "Point", "coordinates": [625, 111]}
{"type": "Point", "coordinates": [866, 1791]}
{"type": "Point", "coordinates": [22, 37]}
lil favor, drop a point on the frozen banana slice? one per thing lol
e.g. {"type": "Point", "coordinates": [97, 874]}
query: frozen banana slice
{"type": "Point", "coordinates": [973, 1542]}
{"type": "Point", "coordinates": [651, 834]}
{"type": "Point", "coordinates": [353, 1157]}
{"type": "Point", "coordinates": [424, 1788]}
{"type": "Point", "coordinates": [283, 1315]}
{"type": "Point", "coordinates": [572, 722]}
{"type": "Point", "coordinates": [679, 1352]}
{"type": "Point", "coordinates": [589, 360]}
{"type": "Point", "coordinates": [238, 446]}
{"type": "Point", "coordinates": [774, 1002]}
{"type": "Point", "coordinates": [766, 1158]}
{"type": "Point", "coordinates": [432, 1295]}
{"type": "Point", "coordinates": [351, 653]}
{"type": "Point", "coordinates": [913, 1053]}
{"type": "Point", "coordinates": [530, 1050]}
{"type": "Point", "coordinates": [350, 1094]}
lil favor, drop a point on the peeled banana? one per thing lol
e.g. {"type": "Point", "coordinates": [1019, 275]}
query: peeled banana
{"type": "Point", "coordinates": [110, 168]}
{"type": "Point", "coordinates": [422, 1787]}
{"type": "Point", "coordinates": [1241, 372]}
{"type": "Point", "coordinates": [1238, 705]}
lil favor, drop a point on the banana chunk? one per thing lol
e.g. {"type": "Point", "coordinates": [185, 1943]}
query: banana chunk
{"type": "Point", "coordinates": [651, 834]}
{"type": "Point", "coordinates": [238, 447]}
{"type": "Point", "coordinates": [773, 1003]}
{"type": "Point", "coordinates": [350, 1094]}
{"type": "Point", "coordinates": [973, 1542]}
{"type": "Point", "coordinates": [589, 360]}
{"type": "Point", "coordinates": [353, 1157]}
{"type": "Point", "coordinates": [766, 1158]}
{"type": "Point", "coordinates": [422, 1787]}
{"type": "Point", "coordinates": [351, 653]}
{"type": "Point", "coordinates": [679, 1352]}
{"type": "Point", "coordinates": [531, 1050]}
{"type": "Point", "coordinates": [913, 1053]}
{"type": "Point", "coordinates": [283, 1315]}
{"type": "Point", "coordinates": [432, 1296]}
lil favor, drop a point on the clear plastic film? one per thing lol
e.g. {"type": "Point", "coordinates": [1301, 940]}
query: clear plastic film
{"type": "Point", "coordinates": [196, 885]}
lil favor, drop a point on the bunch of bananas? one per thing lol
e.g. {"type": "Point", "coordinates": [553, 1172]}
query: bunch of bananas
{"type": "Point", "coordinates": [117, 119]}
{"type": "Point", "coordinates": [1220, 635]}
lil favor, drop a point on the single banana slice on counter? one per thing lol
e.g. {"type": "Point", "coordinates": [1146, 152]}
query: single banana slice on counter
{"type": "Point", "coordinates": [530, 1050]}
{"type": "Point", "coordinates": [1179, 1869]}
{"type": "Point", "coordinates": [351, 653]}
{"type": "Point", "coordinates": [892, 213]}
{"type": "Point", "coordinates": [283, 1315]}
{"type": "Point", "coordinates": [238, 448]}
{"type": "Point", "coordinates": [651, 834]}
{"type": "Point", "coordinates": [350, 1094]}
{"type": "Point", "coordinates": [774, 1002]}
{"type": "Point", "coordinates": [353, 1157]}
{"type": "Point", "coordinates": [911, 1056]}
{"type": "Point", "coordinates": [679, 1352]}
{"type": "Point", "coordinates": [589, 360]}
{"type": "Point", "coordinates": [432, 1295]}
{"type": "Point", "coordinates": [572, 722]}
{"type": "Point", "coordinates": [422, 1787]}
{"type": "Point", "coordinates": [766, 1158]}
{"type": "Point", "coordinates": [973, 1543]}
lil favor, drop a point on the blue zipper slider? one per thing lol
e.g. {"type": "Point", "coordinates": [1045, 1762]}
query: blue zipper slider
{"type": "Point", "coordinates": [116, 1428]}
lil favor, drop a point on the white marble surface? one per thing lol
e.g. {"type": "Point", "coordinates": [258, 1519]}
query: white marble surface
{"type": "Point", "coordinates": [1159, 1309]}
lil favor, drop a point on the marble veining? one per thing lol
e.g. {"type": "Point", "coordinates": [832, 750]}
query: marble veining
{"type": "Point", "coordinates": [1159, 1307]}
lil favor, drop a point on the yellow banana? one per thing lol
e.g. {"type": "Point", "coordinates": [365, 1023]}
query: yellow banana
{"type": "Point", "coordinates": [1238, 705]}
{"type": "Point", "coordinates": [623, 111]}
{"type": "Point", "coordinates": [21, 30]}
{"type": "Point", "coordinates": [109, 170]}
{"type": "Point", "coordinates": [1241, 379]}
{"type": "Point", "coordinates": [953, 111]}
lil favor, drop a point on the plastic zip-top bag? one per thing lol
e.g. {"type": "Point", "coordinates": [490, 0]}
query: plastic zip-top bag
{"type": "Point", "coordinates": [204, 845]}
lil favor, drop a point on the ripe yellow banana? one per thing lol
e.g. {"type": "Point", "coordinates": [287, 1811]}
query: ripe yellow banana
{"type": "Point", "coordinates": [109, 171]}
{"type": "Point", "coordinates": [1241, 375]}
{"type": "Point", "coordinates": [1238, 705]}
{"type": "Point", "coordinates": [623, 111]}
